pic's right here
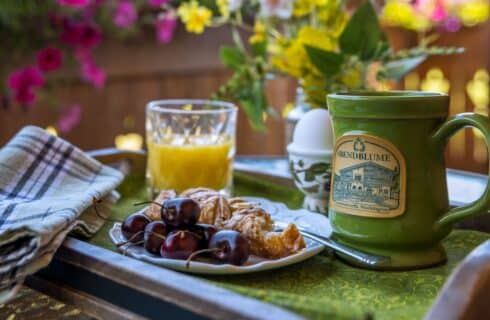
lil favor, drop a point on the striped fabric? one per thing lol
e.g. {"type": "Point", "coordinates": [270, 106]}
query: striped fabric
{"type": "Point", "coordinates": [46, 191]}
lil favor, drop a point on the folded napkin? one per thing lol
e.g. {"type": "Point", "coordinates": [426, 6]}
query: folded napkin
{"type": "Point", "coordinates": [46, 190]}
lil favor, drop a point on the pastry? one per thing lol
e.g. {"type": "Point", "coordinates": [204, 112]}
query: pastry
{"type": "Point", "coordinates": [214, 206]}
{"type": "Point", "coordinates": [257, 225]}
{"type": "Point", "coordinates": [154, 210]}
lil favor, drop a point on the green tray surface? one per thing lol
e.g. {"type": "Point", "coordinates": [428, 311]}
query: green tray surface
{"type": "Point", "coordinates": [322, 287]}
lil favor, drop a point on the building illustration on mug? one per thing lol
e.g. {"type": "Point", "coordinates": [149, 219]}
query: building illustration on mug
{"type": "Point", "coordinates": [368, 185]}
{"type": "Point", "coordinates": [367, 177]}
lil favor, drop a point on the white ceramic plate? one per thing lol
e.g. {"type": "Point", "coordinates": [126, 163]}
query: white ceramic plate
{"type": "Point", "coordinates": [279, 212]}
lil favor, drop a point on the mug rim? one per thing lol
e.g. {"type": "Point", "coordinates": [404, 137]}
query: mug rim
{"type": "Point", "coordinates": [396, 104]}
{"type": "Point", "coordinates": [385, 95]}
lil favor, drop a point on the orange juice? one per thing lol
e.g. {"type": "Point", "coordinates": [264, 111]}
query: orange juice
{"type": "Point", "coordinates": [189, 165]}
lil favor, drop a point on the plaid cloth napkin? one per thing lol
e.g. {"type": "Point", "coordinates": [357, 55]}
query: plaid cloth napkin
{"type": "Point", "coordinates": [46, 190]}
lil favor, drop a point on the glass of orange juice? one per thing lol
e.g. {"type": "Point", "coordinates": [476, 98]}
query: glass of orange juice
{"type": "Point", "coordinates": [191, 143]}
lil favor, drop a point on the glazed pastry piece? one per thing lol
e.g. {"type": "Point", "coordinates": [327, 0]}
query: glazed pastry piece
{"type": "Point", "coordinates": [281, 244]}
{"type": "Point", "coordinates": [257, 226]}
{"type": "Point", "coordinates": [198, 194]}
{"type": "Point", "coordinates": [154, 210]}
{"type": "Point", "coordinates": [214, 206]}
{"type": "Point", "coordinates": [214, 210]}
{"type": "Point", "coordinates": [238, 203]}
{"type": "Point", "coordinates": [251, 222]}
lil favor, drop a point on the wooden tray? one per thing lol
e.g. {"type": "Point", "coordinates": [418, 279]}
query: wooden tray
{"type": "Point", "coordinates": [108, 285]}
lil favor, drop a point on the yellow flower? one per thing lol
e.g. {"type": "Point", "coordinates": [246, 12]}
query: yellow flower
{"type": "Point", "coordinates": [316, 38]}
{"type": "Point", "coordinates": [303, 7]}
{"type": "Point", "coordinates": [333, 16]}
{"type": "Point", "coordinates": [475, 12]}
{"type": "Point", "coordinates": [314, 87]}
{"type": "Point", "coordinates": [259, 32]}
{"type": "Point", "coordinates": [292, 58]}
{"type": "Point", "coordinates": [194, 16]}
{"type": "Point", "coordinates": [399, 13]}
{"type": "Point", "coordinates": [223, 7]}
{"type": "Point", "coordinates": [351, 78]}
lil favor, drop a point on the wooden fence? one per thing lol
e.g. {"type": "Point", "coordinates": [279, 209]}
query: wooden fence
{"type": "Point", "coordinates": [140, 71]}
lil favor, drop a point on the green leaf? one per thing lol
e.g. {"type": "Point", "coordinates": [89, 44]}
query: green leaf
{"type": "Point", "coordinates": [232, 57]}
{"type": "Point", "coordinates": [398, 68]}
{"type": "Point", "coordinates": [256, 121]}
{"type": "Point", "coordinates": [362, 33]}
{"type": "Point", "coordinates": [327, 62]}
{"type": "Point", "coordinates": [309, 176]}
{"type": "Point", "coordinates": [382, 51]}
{"type": "Point", "coordinates": [319, 168]}
{"type": "Point", "coordinates": [260, 49]}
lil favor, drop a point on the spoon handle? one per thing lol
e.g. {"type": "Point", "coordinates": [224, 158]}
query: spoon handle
{"type": "Point", "coordinates": [359, 256]}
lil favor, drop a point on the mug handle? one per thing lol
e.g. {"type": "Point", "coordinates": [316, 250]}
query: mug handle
{"type": "Point", "coordinates": [440, 139]}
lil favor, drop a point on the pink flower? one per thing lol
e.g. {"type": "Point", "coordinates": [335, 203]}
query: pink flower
{"type": "Point", "coordinates": [26, 77]}
{"type": "Point", "coordinates": [89, 70]}
{"type": "Point", "coordinates": [25, 96]}
{"type": "Point", "coordinates": [439, 13]}
{"type": "Point", "coordinates": [71, 32]}
{"type": "Point", "coordinates": [85, 35]}
{"type": "Point", "coordinates": [93, 74]}
{"type": "Point", "coordinates": [73, 3]}
{"type": "Point", "coordinates": [125, 15]}
{"type": "Point", "coordinates": [22, 83]}
{"type": "Point", "coordinates": [49, 59]}
{"type": "Point", "coordinates": [69, 118]}
{"type": "Point", "coordinates": [157, 3]}
{"type": "Point", "coordinates": [451, 24]}
{"type": "Point", "coordinates": [82, 54]}
{"type": "Point", "coordinates": [165, 27]}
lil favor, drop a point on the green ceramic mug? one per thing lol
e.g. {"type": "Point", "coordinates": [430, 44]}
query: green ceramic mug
{"type": "Point", "coordinates": [389, 192]}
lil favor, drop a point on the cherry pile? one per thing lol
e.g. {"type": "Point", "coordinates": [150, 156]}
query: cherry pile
{"type": "Point", "coordinates": [178, 235]}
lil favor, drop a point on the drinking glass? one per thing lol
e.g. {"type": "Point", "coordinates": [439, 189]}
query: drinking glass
{"type": "Point", "coordinates": [191, 143]}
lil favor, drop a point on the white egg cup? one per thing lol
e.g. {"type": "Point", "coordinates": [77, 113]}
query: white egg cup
{"type": "Point", "coordinates": [311, 171]}
{"type": "Point", "coordinates": [310, 158]}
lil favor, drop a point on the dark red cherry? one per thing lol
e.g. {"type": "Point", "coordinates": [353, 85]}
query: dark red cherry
{"type": "Point", "coordinates": [205, 232]}
{"type": "Point", "coordinates": [230, 246]}
{"type": "Point", "coordinates": [133, 226]}
{"type": "Point", "coordinates": [179, 245]}
{"type": "Point", "coordinates": [180, 212]}
{"type": "Point", "coordinates": [155, 233]}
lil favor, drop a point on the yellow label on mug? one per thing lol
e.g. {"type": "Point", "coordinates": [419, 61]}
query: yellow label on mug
{"type": "Point", "coordinates": [369, 177]}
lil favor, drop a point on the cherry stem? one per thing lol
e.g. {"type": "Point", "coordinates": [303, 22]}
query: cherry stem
{"type": "Point", "coordinates": [134, 236]}
{"type": "Point", "coordinates": [156, 235]}
{"type": "Point", "coordinates": [147, 202]}
{"type": "Point", "coordinates": [96, 201]}
{"type": "Point", "coordinates": [195, 253]}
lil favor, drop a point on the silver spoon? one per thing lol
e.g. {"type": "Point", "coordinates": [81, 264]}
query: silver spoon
{"type": "Point", "coordinates": [357, 257]}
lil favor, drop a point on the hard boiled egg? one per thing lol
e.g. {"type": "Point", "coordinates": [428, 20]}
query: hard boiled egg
{"type": "Point", "coordinates": [313, 132]}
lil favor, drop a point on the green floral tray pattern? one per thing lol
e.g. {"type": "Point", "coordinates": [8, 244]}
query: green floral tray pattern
{"type": "Point", "coordinates": [323, 287]}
